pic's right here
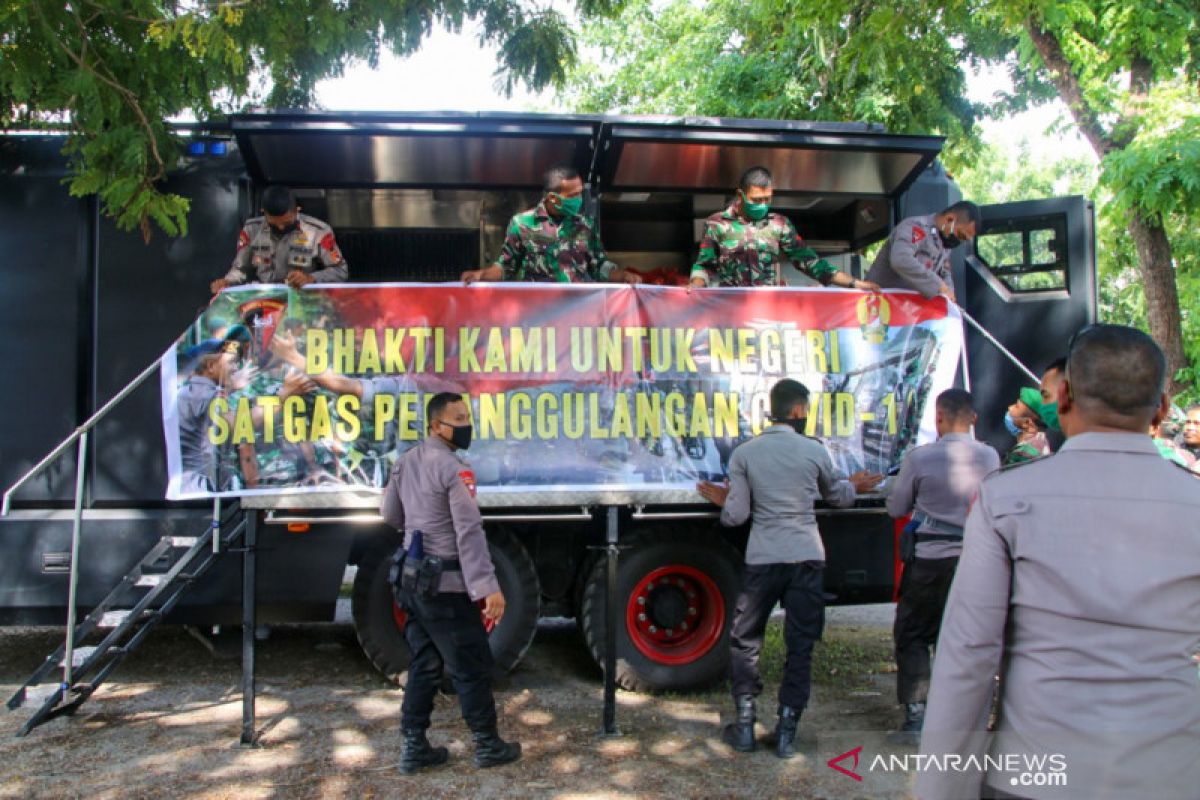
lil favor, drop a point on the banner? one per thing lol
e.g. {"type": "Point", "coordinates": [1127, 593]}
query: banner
{"type": "Point", "coordinates": [571, 387]}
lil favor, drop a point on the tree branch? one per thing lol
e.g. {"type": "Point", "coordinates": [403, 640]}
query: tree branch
{"type": "Point", "coordinates": [128, 95]}
{"type": "Point", "coordinates": [1067, 83]}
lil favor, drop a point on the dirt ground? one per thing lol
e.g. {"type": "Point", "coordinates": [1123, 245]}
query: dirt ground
{"type": "Point", "coordinates": [167, 725]}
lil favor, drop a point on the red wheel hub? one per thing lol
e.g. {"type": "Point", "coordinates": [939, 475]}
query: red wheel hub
{"type": "Point", "coordinates": [675, 614]}
{"type": "Point", "coordinates": [401, 617]}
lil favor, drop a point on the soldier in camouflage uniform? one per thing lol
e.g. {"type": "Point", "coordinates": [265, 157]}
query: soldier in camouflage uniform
{"type": "Point", "coordinates": [554, 242]}
{"type": "Point", "coordinates": [284, 246]}
{"type": "Point", "coordinates": [742, 245]}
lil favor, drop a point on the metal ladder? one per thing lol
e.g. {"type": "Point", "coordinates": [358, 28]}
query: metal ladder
{"type": "Point", "coordinates": [127, 617]}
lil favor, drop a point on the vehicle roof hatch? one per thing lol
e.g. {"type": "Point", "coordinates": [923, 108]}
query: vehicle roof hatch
{"type": "Point", "coordinates": [702, 154]}
{"type": "Point", "coordinates": [411, 150]}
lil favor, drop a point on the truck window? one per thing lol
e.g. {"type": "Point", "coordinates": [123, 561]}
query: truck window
{"type": "Point", "coordinates": [1027, 255]}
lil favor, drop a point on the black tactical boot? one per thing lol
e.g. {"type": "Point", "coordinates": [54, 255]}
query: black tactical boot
{"type": "Point", "coordinates": [492, 751]}
{"type": "Point", "coordinates": [416, 752]}
{"type": "Point", "coordinates": [740, 734]}
{"type": "Point", "coordinates": [785, 731]}
{"type": "Point", "coordinates": [914, 720]}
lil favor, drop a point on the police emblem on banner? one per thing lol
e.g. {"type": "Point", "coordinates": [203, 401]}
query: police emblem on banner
{"type": "Point", "coordinates": [874, 314]}
{"type": "Point", "coordinates": [262, 315]}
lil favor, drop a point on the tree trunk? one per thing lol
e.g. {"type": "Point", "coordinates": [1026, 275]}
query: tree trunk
{"type": "Point", "coordinates": [1162, 297]}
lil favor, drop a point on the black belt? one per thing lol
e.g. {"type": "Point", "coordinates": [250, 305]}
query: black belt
{"type": "Point", "coordinates": [451, 565]}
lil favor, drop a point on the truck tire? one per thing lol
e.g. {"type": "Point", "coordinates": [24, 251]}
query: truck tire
{"type": "Point", "coordinates": [379, 622]}
{"type": "Point", "coordinates": [675, 603]}
{"type": "Point", "coordinates": [512, 636]}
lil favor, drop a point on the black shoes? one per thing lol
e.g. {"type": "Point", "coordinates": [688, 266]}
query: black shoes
{"type": "Point", "coordinates": [740, 734]}
{"type": "Point", "coordinates": [910, 729]}
{"type": "Point", "coordinates": [785, 732]}
{"type": "Point", "coordinates": [492, 751]}
{"type": "Point", "coordinates": [416, 752]}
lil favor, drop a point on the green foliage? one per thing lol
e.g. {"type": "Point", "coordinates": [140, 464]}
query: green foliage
{"type": "Point", "coordinates": [113, 71]}
{"type": "Point", "coordinates": [890, 63]}
{"type": "Point", "coordinates": [1007, 173]}
{"type": "Point", "coordinates": [1129, 73]}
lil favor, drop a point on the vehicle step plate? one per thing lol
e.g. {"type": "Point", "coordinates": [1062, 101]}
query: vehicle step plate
{"type": "Point", "coordinates": [112, 619]}
{"type": "Point", "coordinates": [78, 656]}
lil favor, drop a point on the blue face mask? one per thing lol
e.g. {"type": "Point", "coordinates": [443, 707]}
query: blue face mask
{"type": "Point", "coordinates": [1011, 425]}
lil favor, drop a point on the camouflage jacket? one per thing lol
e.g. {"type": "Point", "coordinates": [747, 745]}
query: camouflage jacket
{"type": "Point", "coordinates": [739, 252]}
{"type": "Point", "coordinates": [540, 248]}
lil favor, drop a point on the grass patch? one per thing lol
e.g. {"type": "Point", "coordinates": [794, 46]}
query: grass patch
{"type": "Point", "coordinates": [844, 659]}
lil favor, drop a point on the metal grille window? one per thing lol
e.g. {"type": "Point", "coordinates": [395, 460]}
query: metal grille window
{"type": "Point", "coordinates": [1026, 255]}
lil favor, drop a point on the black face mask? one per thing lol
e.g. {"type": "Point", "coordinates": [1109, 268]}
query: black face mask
{"type": "Point", "coordinates": [285, 230]}
{"type": "Point", "coordinates": [798, 425]}
{"type": "Point", "coordinates": [461, 438]}
{"type": "Point", "coordinates": [951, 241]}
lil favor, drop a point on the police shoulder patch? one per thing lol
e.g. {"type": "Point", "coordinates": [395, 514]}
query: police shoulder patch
{"type": "Point", "coordinates": [467, 476]}
{"type": "Point", "coordinates": [918, 234]}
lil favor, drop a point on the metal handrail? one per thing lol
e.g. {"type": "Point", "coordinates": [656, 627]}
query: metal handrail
{"type": "Point", "coordinates": [80, 434]}
{"type": "Point", "coordinates": [1007, 353]}
{"type": "Point", "coordinates": [80, 431]}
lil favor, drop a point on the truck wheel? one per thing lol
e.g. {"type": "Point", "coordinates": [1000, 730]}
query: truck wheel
{"type": "Point", "coordinates": [379, 622]}
{"type": "Point", "coordinates": [675, 603]}
{"type": "Point", "coordinates": [512, 636]}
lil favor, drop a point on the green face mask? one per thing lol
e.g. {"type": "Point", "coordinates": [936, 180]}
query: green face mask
{"type": "Point", "coordinates": [754, 211]}
{"type": "Point", "coordinates": [570, 206]}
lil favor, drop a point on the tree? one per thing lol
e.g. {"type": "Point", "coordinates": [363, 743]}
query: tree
{"type": "Point", "coordinates": [1127, 73]}
{"type": "Point", "coordinates": [113, 72]}
{"type": "Point", "coordinates": [780, 59]}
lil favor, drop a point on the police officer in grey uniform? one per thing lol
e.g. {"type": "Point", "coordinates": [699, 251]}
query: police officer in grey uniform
{"type": "Point", "coordinates": [432, 490]}
{"type": "Point", "coordinates": [936, 485]}
{"type": "Point", "coordinates": [1079, 584]}
{"type": "Point", "coordinates": [916, 254]}
{"type": "Point", "coordinates": [776, 477]}
{"type": "Point", "coordinates": [198, 455]}
{"type": "Point", "coordinates": [284, 246]}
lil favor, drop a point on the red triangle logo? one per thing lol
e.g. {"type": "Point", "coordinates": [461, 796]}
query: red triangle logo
{"type": "Point", "coordinates": [833, 762]}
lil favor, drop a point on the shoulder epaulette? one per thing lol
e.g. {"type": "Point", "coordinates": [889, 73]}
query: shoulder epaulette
{"type": "Point", "coordinates": [1015, 464]}
{"type": "Point", "coordinates": [313, 221]}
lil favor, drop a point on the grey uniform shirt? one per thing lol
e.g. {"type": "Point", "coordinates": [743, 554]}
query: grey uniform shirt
{"type": "Point", "coordinates": [196, 452]}
{"type": "Point", "coordinates": [265, 257]}
{"type": "Point", "coordinates": [939, 480]}
{"type": "Point", "coordinates": [1079, 584]}
{"type": "Point", "coordinates": [777, 476]}
{"type": "Point", "coordinates": [432, 490]}
{"type": "Point", "coordinates": [913, 257]}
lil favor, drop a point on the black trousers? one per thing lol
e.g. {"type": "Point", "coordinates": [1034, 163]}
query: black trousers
{"type": "Point", "coordinates": [924, 587]}
{"type": "Point", "coordinates": [447, 630]}
{"type": "Point", "coordinates": [800, 588]}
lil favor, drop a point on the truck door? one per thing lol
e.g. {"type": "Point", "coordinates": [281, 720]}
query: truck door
{"type": "Point", "coordinates": [1030, 280]}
